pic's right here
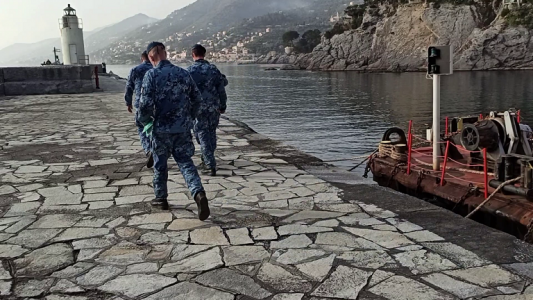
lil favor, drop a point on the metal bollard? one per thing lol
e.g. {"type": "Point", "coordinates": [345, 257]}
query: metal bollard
{"type": "Point", "coordinates": [96, 78]}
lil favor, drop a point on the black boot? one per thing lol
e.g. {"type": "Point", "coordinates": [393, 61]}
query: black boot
{"type": "Point", "coordinates": [202, 166]}
{"type": "Point", "coordinates": [163, 203]}
{"type": "Point", "coordinates": [150, 161]}
{"type": "Point", "coordinates": [203, 206]}
{"type": "Point", "coordinates": [209, 171]}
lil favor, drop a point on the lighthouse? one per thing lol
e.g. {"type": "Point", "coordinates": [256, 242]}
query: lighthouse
{"type": "Point", "coordinates": [72, 38]}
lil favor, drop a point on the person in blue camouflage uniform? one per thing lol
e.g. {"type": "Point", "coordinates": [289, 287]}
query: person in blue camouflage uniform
{"type": "Point", "coordinates": [171, 100]}
{"type": "Point", "coordinates": [135, 80]}
{"type": "Point", "coordinates": [211, 84]}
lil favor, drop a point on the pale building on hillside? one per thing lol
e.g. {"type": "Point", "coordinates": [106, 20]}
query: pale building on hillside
{"type": "Point", "coordinates": [508, 3]}
{"type": "Point", "coordinates": [335, 19]}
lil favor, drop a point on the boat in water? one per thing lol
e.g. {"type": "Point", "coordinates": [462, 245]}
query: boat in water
{"type": "Point", "coordinates": [56, 59]}
{"type": "Point", "coordinates": [484, 169]}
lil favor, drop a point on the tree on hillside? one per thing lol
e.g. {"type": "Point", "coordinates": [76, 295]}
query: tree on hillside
{"type": "Point", "coordinates": [310, 39]}
{"type": "Point", "coordinates": [313, 37]}
{"type": "Point", "coordinates": [289, 37]}
{"type": "Point", "coordinates": [302, 46]}
{"type": "Point", "coordinates": [356, 12]}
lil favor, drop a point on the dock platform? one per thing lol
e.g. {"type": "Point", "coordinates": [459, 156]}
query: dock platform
{"type": "Point", "coordinates": [462, 191]}
{"type": "Point", "coordinates": [76, 222]}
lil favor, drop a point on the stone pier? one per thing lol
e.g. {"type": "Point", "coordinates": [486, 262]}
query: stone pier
{"type": "Point", "coordinates": [76, 222]}
{"type": "Point", "coordinates": [46, 80]}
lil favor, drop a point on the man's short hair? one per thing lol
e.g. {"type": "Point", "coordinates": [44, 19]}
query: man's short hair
{"type": "Point", "coordinates": [144, 55]}
{"type": "Point", "coordinates": [198, 50]}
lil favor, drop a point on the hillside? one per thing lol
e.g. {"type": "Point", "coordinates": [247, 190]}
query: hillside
{"type": "Point", "coordinates": [29, 53]}
{"type": "Point", "coordinates": [315, 16]}
{"type": "Point", "coordinates": [36, 53]}
{"type": "Point", "coordinates": [194, 23]}
{"type": "Point", "coordinates": [110, 34]}
{"type": "Point", "coordinates": [395, 36]}
{"type": "Point", "coordinates": [220, 15]}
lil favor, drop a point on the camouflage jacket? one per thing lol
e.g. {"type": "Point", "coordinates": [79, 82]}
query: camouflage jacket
{"type": "Point", "coordinates": [211, 84]}
{"type": "Point", "coordinates": [135, 80]}
{"type": "Point", "coordinates": [169, 97]}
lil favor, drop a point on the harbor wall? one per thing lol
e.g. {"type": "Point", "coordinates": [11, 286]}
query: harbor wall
{"type": "Point", "coordinates": [46, 80]}
{"type": "Point", "coordinates": [99, 66]}
{"type": "Point", "coordinates": [2, 90]}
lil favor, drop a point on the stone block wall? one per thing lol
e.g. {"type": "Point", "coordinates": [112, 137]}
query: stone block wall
{"type": "Point", "coordinates": [99, 66]}
{"type": "Point", "coordinates": [2, 91]}
{"type": "Point", "coordinates": [46, 80]}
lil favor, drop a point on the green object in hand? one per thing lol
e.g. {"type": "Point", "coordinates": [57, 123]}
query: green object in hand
{"type": "Point", "coordinates": [148, 128]}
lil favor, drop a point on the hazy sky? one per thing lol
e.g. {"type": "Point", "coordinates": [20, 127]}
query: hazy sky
{"type": "Point", "coordinates": [27, 21]}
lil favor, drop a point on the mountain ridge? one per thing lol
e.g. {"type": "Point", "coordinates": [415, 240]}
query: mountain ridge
{"type": "Point", "coordinates": [194, 23]}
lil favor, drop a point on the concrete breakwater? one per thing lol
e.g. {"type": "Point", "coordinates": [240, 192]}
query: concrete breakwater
{"type": "Point", "coordinates": [46, 80]}
{"type": "Point", "coordinates": [75, 219]}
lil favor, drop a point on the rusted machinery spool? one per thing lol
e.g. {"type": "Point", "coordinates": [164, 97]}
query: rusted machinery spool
{"type": "Point", "coordinates": [483, 134]}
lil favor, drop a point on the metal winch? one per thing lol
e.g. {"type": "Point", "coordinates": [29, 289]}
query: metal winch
{"type": "Point", "coordinates": [508, 144]}
{"type": "Point", "coordinates": [500, 133]}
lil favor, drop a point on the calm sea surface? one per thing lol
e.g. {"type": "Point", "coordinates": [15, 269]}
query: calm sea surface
{"type": "Point", "coordinates": [339, 115]}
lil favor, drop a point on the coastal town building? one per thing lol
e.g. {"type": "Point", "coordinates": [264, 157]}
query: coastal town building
{"type": "Point", "coordinates": [509, 3]}
{"type": "Point", "coordinates": [335, 19]}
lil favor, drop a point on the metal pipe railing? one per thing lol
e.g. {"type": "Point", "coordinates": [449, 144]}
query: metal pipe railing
{"type": "Point", "coordinates": [410, 147]}
{"type": "Point", "coordinates": [444, 164]}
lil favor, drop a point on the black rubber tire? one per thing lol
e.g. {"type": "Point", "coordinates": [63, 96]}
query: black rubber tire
{"type": "Point", "coordinates": [395, 130]}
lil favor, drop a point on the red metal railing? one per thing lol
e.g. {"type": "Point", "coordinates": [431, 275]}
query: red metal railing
{"type": "Point", "coordinates": [444, 173]}
{"type": "Point", "coordinates": [410, 146]}
{"type": "Point", "coordinates": [96, 77]}
{"type": "Point", "coordinates": [486, 171]}
{"type": "Point", "coordinates": [444, 164]}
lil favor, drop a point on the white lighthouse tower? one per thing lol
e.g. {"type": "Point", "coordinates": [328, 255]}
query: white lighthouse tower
{"type": "Point", "coordinates": [72, 38]}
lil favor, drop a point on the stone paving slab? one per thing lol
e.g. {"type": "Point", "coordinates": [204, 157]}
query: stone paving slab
{"type": "Point", "coordinates": [76, 222]}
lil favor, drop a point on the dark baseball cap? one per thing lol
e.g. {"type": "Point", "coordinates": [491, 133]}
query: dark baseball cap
{"type": "Point", "coordinates": [198, 47]}
{"type": "Point", "coordinates": [152, 45]}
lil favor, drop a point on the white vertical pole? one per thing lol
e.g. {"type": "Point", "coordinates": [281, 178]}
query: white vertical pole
{"type": "Point", "coordinates": [436, 122]}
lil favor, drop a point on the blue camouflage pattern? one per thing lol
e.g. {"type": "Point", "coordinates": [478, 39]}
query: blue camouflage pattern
{"type": "Point", "coordinates": [146, 142]}
{"type": "Point", "coordinates": [171, 99]}
{"type": "Point", "coordinates": [206, 137]}
{"type": "Point", "coordinates": [225, 83]}
{"type": "Point", "coordinates": [133, 85]}
{"type": "Point", "coordinates": [181, 148]}
{"type": "Point", "coordinates": [211, 84]}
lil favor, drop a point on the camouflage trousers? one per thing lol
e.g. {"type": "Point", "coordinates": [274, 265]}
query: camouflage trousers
{"type": "Point", "coordinates": [181, 148]}
{"type": "Point", "coordinates": [145, 140]}
{"type": "Point", "coordinates": [206, 135]}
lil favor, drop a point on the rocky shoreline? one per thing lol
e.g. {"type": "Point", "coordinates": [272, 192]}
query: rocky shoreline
{"type": "Point", "coordinates": [396, 40]}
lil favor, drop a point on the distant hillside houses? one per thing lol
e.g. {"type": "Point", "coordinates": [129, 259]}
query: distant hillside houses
{"type": "Point", "coordinates": [224, 46]}
{"type": "Point", "coordinates": [239, 34]}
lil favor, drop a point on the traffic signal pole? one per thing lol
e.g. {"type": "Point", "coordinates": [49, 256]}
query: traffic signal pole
{"type": "Point", "coordinates": [436, 122]}
{"type": "Point", "coordinates": [440, 62]}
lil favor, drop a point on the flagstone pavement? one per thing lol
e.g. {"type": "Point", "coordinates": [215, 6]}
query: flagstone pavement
{"type": "Point", "coordinates": [76, 222]}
